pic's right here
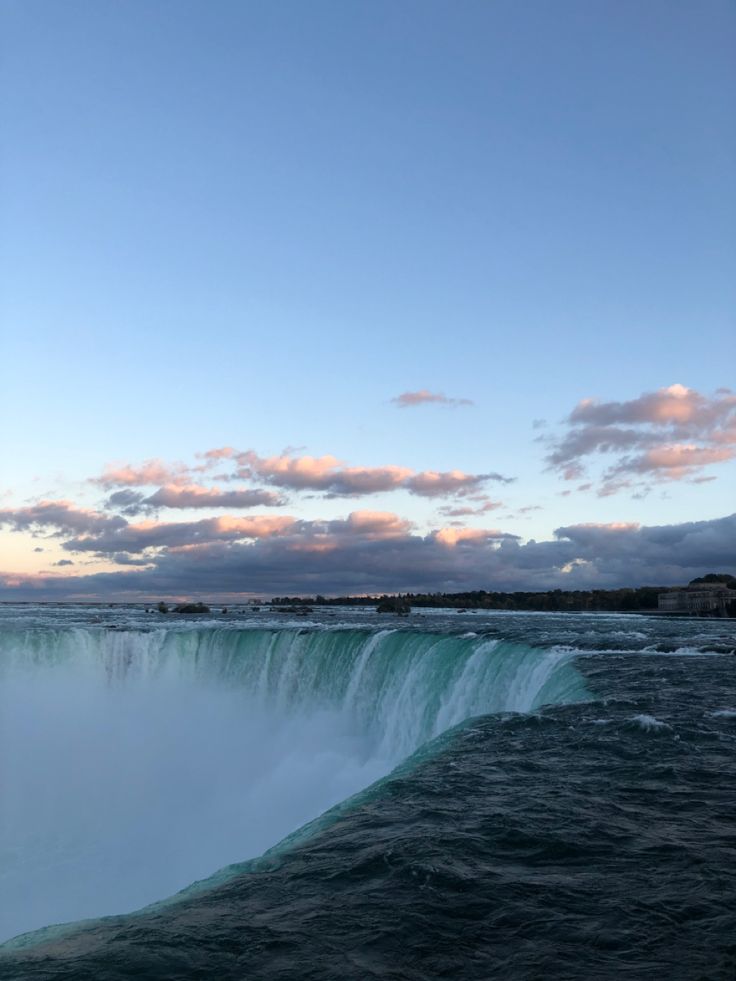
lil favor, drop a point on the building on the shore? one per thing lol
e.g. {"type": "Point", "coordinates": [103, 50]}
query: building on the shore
{"type": "Point", "coordinates": [710, 598]}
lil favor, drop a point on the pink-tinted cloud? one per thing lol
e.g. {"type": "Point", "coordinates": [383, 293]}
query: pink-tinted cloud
{"type": "Point", "coordinates": [675, 461]}
{"type": "Point", "coordinates": [148, 473]}
{"type": "Point", "coordinates": [408, 400]}
{"type": "Point", "coordinates": [670, 434]}
{"type": "Point", "coordinates": [452, 536]}
{"type": "Point", "coordinates": [432, 483]}
{"type": "Point", "coordinates": [363, 526]}
{"type": "Point", "coordinates": [599, 526]}
{"type": "Point", "coordinates": [197, 496]}
{"type": "Point", "coordinates": [675, 405]}
{"type": "Point", "coordinates": [324, 473]}
{"type": "Point", "coordinates": [330, 476]}
{"type": "Point", "coordinates": [372, 524]}
{"type": "Point", "coordinates": [182, 486]}
{"type": "Point", "coordinates": [219, 453]}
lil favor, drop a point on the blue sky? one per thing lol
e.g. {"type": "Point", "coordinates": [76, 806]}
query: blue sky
{"type": "Point", "coordinates": [254, 224]}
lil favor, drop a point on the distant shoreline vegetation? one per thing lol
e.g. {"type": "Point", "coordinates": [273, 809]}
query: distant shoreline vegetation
{"type": "Point", "coordinates": [625, 600]}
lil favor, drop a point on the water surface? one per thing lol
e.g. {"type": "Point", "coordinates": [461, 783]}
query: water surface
{"type": "Point", "coordinates": [563, 803]}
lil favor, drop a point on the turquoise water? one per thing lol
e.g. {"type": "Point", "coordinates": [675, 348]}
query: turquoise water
{"type": "Point", "coordinates": [143, 754]}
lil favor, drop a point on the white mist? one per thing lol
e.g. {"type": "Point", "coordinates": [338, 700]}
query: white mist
{"type": "Point", "coordinates": [133, 763]}
{"type": "Point", "coordinates": [114, 796]}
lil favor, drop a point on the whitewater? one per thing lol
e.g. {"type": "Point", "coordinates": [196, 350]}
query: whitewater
{"type": "Point", "coordinates": [152, 763]}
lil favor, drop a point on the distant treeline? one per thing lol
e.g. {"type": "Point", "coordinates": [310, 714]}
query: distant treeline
{"type": "Point", "coordinates": [568, 600]}
{"type": "Point", "coordinates": [621, 600]}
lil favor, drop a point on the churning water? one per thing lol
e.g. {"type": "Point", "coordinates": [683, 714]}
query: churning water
{"type": "Point", "coordinates": [140, 755]}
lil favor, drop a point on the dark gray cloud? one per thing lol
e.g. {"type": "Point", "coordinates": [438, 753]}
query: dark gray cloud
{"type": "Point", "coordinates": [375, 552]}
{"type": "Point", "coordinates": [146, 535]}
{"type": "Point", "coordinates": [60, 518]}
{"type": "Point", "coordinates": [151, 536]}
{"type": "Point", "coordinates": [128, 502]}
{"type": "Point", "coordinates": [581, 442]}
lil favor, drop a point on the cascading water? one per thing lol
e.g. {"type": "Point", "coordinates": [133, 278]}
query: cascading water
{"type": "Point", "coordinates": [137, 761]}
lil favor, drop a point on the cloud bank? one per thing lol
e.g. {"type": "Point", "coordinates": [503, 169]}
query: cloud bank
{"type": "Point", "coordinates": [365, 552]}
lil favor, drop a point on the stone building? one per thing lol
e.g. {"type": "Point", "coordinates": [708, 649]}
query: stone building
{"type": "Point", "coordinates": [711, 598]}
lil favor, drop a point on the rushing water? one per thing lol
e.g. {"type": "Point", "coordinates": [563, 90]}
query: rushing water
{"type": "Point", "coordinates": [451, 795]}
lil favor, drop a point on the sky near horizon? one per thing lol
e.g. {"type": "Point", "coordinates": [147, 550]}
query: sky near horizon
{"type": "Point", "coordinates": [361, 296]}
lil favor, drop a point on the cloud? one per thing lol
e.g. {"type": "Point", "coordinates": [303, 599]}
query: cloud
{"type": "Point", "coordinates": [128, 502]}
{"type": "Point", "coordinates": [325, 474]}
{"type": "Point", "coordinates": [148, 473]}
{"type": "Point", "coordinates": [408, 400]}
{"type": "Point", "coordinates": [467, 511]}
{"type": "Point", "coordinates": [431, 483]}
{"type": "Point", "coordinates": [196, 496]}
{"type": "Point", "coordinates": [59, 517]}
{"type": "Point", "coordinates": [377, 551]}
{"type": "Point", "coordinates": [131, 502]}
{"type": "Point", "coordinates": [670, 434]}
{"type": "Point", "coordinates": [330, 476]}
{"type": "Point", "coordinates": [220, 453]}
{"type": "Point", "coordinates": [676, 405]}
{"type": "Point", "coordinates": [470, 536]}
{"type": "Point", "coordinates": [368, 524]}
{"type": "Point", "coordinates": [151, 537]}
{"type": "Point", "coordinates": [676, 460]}
{"type": "Point", "coordinates": [146, 535]}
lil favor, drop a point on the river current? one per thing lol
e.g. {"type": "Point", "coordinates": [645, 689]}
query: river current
{"type": "Point", "coordinates": [348, 795]}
